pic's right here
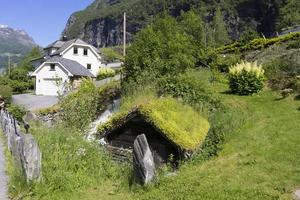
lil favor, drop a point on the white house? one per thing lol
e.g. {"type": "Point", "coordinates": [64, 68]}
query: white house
{"type": "Point", "coordinates": [65, 62]}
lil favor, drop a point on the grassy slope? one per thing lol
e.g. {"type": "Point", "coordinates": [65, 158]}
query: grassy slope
{"type": "Point", "coordinates": [259, 161]}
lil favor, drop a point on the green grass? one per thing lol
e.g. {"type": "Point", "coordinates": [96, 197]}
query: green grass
{"type": "Point", "coordinates": [260, 159]}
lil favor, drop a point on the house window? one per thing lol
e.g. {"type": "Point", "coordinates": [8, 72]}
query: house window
{"type": "Point", "coordinates": [75, 50]}
{"type": "Point", "coordinates": [85, 52]}
{"type": "Point", "coordinates": [89, 66]}
{"type": "Point", "coordinates": [52, 67]}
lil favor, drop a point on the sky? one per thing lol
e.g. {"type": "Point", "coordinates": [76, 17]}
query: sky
{"type": "Point", "coordinates": [43, 20]}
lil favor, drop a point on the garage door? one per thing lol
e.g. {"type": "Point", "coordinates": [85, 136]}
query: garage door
{"type": "Point", "coordinates": [47, 87]}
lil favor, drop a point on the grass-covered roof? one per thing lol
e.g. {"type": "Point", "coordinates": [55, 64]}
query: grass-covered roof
{"type": "Point", "coordinates": [179, 123]}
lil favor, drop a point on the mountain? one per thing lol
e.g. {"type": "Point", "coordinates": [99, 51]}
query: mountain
{"type": "Point", "coordinates": [14, 43]}
{"type": "Point", "coordinates": [101, 23]}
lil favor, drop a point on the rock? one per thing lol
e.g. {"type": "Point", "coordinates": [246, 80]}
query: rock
{"type": "Point", "coordinates": [297, 195]}
{"type": "Point", "coordinates": [29, 117]}
{"type": "Point", "coordinates": [143, 162]}
{"type": "Point", "coordinates": [32, 159]}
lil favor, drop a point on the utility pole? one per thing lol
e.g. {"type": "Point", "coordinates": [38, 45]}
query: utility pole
{"type": "Point", "coordinates": [9, 64]}
{"type": "Point", "coordinates": [124, 36]}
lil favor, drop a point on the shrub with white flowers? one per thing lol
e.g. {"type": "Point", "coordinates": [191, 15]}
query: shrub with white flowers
{"type": "Point", "coordinates": [246, 78]}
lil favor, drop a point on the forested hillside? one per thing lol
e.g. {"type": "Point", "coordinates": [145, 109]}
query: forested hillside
{"type": "Point", "coordinates": [101, 22]}
{"type": "Point", "coordinates": [13, 43]}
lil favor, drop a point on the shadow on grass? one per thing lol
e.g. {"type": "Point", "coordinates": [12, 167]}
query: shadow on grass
{"type": "Point", "coordinates": [227, 92]}
{"type": "Point", "coordinates": [297, 98]}
{"type": "Point", "coordinates": [280, 98]}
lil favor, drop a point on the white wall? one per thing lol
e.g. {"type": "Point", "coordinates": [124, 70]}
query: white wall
{"type": "Point", "coordinates": [45, 80]}
{"type": "Point", "coordinates": [91, 58]}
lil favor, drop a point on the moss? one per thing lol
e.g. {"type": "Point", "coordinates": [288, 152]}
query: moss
{"type": "Point", "coordinates": [179, 123]}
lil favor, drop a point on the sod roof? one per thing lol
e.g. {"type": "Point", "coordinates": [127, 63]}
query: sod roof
{"type": "Point", "coordinates": [179, 123]}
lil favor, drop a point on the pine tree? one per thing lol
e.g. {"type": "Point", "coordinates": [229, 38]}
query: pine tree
{"type": "Point", "coordinates": [221, 36]}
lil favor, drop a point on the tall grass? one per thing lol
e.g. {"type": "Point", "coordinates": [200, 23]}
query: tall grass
{"type": "Point", "coordinates": [69, 163]}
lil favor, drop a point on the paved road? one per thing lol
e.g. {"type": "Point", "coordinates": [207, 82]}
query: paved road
{"type": "Point", "coordinates": [34, 102]}
{"type": "Point", "coordinates": [3, 176]}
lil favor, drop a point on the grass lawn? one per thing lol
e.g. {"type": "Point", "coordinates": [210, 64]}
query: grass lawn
{"type": "Point", "coordinates": [261, 160]}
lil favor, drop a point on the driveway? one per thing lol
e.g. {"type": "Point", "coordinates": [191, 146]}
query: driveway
{"type": "Point", "coordinates": [34, 102]}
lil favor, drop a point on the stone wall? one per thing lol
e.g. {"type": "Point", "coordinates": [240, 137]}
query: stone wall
{"type": "Point", "coordinates": [23, 147]}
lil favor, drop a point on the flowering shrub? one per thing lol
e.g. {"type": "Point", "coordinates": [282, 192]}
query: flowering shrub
{"type": "Point", "coordinates": [105, 73]}
{"type": "Point", "coordinates": [246, 78]}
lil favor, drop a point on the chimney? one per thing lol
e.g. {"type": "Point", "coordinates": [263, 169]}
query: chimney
{"type": "Point", "coordinates": [64, 38]}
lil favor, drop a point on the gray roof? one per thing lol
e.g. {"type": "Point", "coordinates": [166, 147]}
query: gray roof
{"type": "Point", "coordinates": [72, 66]}
{"type": "Point", "coordinates": [56, 44]}
{"type": "Point", "coordinates": [67, 44]}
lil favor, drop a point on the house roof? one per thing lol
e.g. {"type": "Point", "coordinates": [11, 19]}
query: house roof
{"type": "Point", "coordinates": [64, 45]}
{"type": "Point", "coordinates": [72, 66]}
{"type": "Point", "coordinates": [56, 44]}
{"type": "Point", "coordinates": [178, 123]}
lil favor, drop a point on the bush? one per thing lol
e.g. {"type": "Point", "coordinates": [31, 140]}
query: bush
{"type": "Point", "coordinates": [105, 73]}
{"type": "Point", "coordinates": [106, 94]}
{"type": "Point", "coordinates": [246, 78]}
{"type": "Point", "coordinates": [193, 88]}
{"type": "Point", "coordinates": [223, 62]}
{"type": "Point", "coordinates": [6, 93]}
{"type": "Point", "coordinates": [17, 111]}
{"type": "Point", "coordinates": [78, 109]}
{"type": "Point", "coordinates": [257, 44]}
{"type": "Point", "coordinates": [281, 72]}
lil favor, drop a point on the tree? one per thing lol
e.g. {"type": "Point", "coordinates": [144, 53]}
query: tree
{"type": "Point", "coordinates": [221, 36]}
{"type": "Point", "coordinates": [160, 49]}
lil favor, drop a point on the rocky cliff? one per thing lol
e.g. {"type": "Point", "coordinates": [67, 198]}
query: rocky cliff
{"type": "Point", "coordinates": [101, 23]}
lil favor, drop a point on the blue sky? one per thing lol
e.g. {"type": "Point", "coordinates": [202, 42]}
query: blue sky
{"type": "Point", "coordinates": [44, 20]}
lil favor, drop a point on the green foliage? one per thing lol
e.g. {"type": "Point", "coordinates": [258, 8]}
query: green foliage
{"type": "Point", "coordinates": [106, 94]}
{"type": "Point", "coordinates": [51, 110]}
{"type": "Point", "coordinates": [257, 44]}
{"type": "Point", "coordinates": [17, 78]}
{"type": "Point", "coordinates": [194, 88]}
{"type": "Point", "coordinates": [290, 14]}
{"type": "Point", "coordinates": [105, 73]}
{"type": "Point", "coordinates": [111, 55]}
{"type": "Point", "coordinates": [223, 62]}
{"type": "Point", "coordinates": [78, 108]}
{"type": "Point", "coordinates": [70, 165]}
{"type": "Point", "coordinates": [248, 35]}
{"type": "Point", "coordinates": [220, 32]}
{"type": "Point", "coordinates": [17, 111]}
{"type": "Point", "coordinates": [282, 72]}
{"type": "Point", "coordinates": [6, 93]}
{"type": "Point", "coordinates": [179, 123]}
{"type": "Point", "coordinates": [246, 78]}
{"type": "Point", "coordinates": [160, 49]}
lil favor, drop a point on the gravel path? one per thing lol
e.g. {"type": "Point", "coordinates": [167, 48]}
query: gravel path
{"type": "Point", "coordinates": [3, 176]}
{"type": "Point", "coordinates": [34, 102]}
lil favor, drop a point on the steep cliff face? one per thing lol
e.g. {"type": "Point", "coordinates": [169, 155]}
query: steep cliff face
{"type": "Point", "coordinates": [101, 23]}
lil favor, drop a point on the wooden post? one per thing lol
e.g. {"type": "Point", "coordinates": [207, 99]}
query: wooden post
{"type": "Point", "coordinates": [9, 64]}
{"type": "Point", "coordinates": [124, 36]}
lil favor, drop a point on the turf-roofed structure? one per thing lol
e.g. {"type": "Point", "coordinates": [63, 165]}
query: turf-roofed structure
{"type": "Point", "coordinates": [171, 128]}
